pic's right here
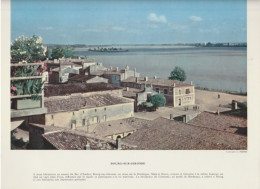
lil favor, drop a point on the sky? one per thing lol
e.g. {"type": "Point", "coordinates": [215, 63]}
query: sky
{"type": "Point", "coordinates": [103, 22]}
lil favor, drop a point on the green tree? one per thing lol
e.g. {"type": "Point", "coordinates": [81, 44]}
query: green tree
{"type": "Point", "coordinates": [158, 100]}
{"type": "Point", "coordinates": [28, 49]}
{"type": "Point", "coordinates": [48, 53]}
{"type": "Point", "coordinates": [60, 52]}
{"type": "Point", "coordinates": [177, 74]}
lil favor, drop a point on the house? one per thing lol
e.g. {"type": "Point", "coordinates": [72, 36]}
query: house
{"type": "Point", "coordinates": [83, 104]}
{"type": "Point", "coordinates": [115, 75]}
{"type": "Point", "coordinates": [62, 75]}
{"type": "Point", "coordinates": [68, 62]}
{"type": "Point", "coordinates": [177, 93]}
{"type": "Point", "coordinates": [76, 111]}
{"type": "Point", "coordinates": [140, 96]}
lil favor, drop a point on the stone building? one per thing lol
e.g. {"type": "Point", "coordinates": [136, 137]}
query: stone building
{"type": "Point", "coordinates": [61, 75]}
{"type": "Point", "coordinates": [75, 111]}
{"type": "Point", "coordinates": [115, 76]}
{"type": "Point", "coordinates": [177, 93]}
{"type": "Point", "coordinates": [83, 104]}
{"type": "Point", "coordinates": [139, 95]}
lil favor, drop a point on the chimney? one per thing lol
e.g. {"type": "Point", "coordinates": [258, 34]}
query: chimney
{"type": "Point", "coordinates": [155, 77]}
{"type": "Point", "coordinates": [184, 118]}
{"type": "Point", "coordinates": [174, 85]}
{"type": "Point", "coordinates": [145, 78]}
{"type": "Point", "coordinates": [118, 143]}
{"type": "Point", "coordinates": [134, 72]}
{"type": "Point", "coordinates": [171, 116]}
{"type": "Point", "coordinates": [79, 58]}
{"type": "Point", "coordinates": [60, 75]}
{"type": "Point", "coordinates": [111, 67]}
{"type": "Point", "coordinates": [191, 83]}
{"type": "Point", "coordinates": [234, 105]}
{"type": "Point", "coordinates": [136, 79]}
{"type": "Point", "coordinates": [127, 88]}
{"type": "Point", "coordinates": [87, 146]}
{"type": "Point", "coordinates": [217, 112]}
{"type": "Point", "coordinates": [117, 69]}
{"type": "Point", "coordinates": [47, 59]}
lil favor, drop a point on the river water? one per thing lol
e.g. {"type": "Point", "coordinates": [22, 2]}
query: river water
{"type": "Point", "coordinates": [221, 68]}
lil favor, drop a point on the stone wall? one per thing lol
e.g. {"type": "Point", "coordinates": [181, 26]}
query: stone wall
{"type": "Point", "coordinates": [114, 79]}
{"type": "Point", "coordinates": [84, 117]}
{"type": "Point", "coordinates": [184, 96]}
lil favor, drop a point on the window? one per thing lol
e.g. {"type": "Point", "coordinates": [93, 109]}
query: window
{"type": "Point", "coordinates": [187, 91]}
{"type": "Point", "coordinates": [73, 124]}
{"type": "Point", "coordinates": [157, 90]}
{"type": "Point", "coordinates": [148, 97]}
{"type": "Point", "coordinates": [165, 91]}
{"type": "Point", "coordinates": [95, 110]}
{"type": "Point", "coordinates": [105, 109]}
{"type": "Point", "coordinates": [179, 91]}
{"type": "Point", "coordinates": [105, 117]}
{"type": "Point", "coordinates": [52, 116]}
{"type": "Point", "coordinates": [83, 122]}
{"type": "Point", "coordinates": [73, 113]}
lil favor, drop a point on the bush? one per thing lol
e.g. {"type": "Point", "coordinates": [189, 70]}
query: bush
{"type": "Point", "coordinates": [28, 49]}
{"type": "Point", "coordinates": [158, 100]}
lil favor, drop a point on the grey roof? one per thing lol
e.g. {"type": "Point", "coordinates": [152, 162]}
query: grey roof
{"type": "Point", "coordinates": [82, 78]}
{"type": "Point", "coordinates": [78, 102]}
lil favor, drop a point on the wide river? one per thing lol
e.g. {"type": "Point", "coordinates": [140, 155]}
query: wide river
{"type": "Point", "coordinates": [214, 68]}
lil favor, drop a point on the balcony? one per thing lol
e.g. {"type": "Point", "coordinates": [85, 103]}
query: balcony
{"type": "Point", "coordinates": [27, 94]}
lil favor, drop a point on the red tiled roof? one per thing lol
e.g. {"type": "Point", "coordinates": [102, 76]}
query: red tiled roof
{"type": "Point", "coordinates": [165, 134]}
{"type": "Point", "coordinates": [225, 121]}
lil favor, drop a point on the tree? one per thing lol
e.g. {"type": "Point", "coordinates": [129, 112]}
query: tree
{"type": "Point", "coordinates": [28, 49]}
{"type": "Point", "coordinates": [60, 52]}
{"type": "Point", "coordinates": [158, 100]}
{"type": "Point", "coordinates": [177, 74]}
{"type": "Point", "coordinates": [48, 53]}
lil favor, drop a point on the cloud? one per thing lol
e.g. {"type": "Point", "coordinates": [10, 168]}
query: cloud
{"type": "Point", "coordinates": [195, 18]}
{"type": "Point", "coordinates": [92, 30]}
{"type": "Point", "coordinates": [116, 28]}
{"type": "Point", "coordinates": [46, 28]}
{"type": "Point", "coordinates": [156, 18]}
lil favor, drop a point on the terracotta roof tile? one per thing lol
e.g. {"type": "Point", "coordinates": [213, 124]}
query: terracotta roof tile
{"type": "Point", "coordinates": [164, 134]}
